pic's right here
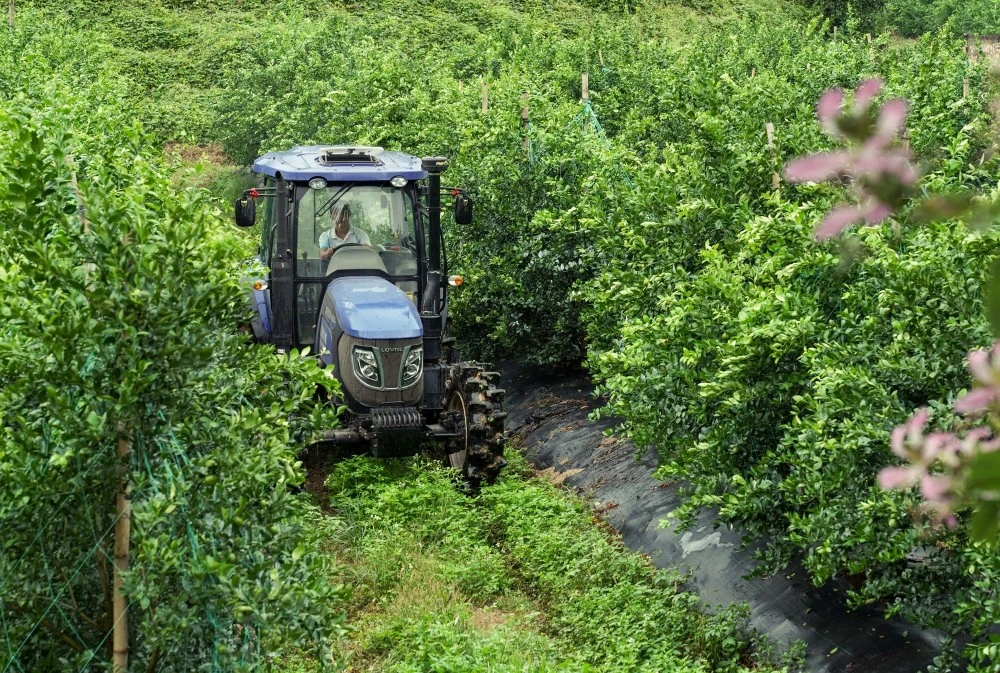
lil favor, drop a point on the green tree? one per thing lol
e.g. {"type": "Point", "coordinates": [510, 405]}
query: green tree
{"type": "Point", "coordinates": [120, 301]}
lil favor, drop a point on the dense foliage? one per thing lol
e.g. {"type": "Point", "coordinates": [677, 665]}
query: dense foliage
{"type": "Point", "coordinates": [119, 329]}
{"type": "Point", "coordinates": [645, 232]}
{"type": "Point", "coordinates": [913, 18]}
{"type": "Point", "coordinates": [766, 371]}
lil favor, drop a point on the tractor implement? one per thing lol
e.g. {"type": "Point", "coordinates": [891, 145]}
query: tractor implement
{"type": "Point", "coordinates": [352, 240]}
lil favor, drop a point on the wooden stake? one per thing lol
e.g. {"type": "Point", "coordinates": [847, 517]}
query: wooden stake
{"type": "Point", "coordinates": [835, 35]}
{"type": "Point", "coordinates": [775, 178]}
{"type": "Point", "coordinates": [905, 137]}
{"type": "Point", "coordinates": [753, 72]}
{"type": "Point", "coordinates": [460, 86]}
{"type": "Point", "coordinates": [10, 14]}
{"type": "Point", "coordinates": [869, 37]}
{"type": "Point", "coordinates": [81, 209]}
{"type": "Point", "coordinates": [600, 58]}
{"type": "Point", "coordinates": [525, 121]}
{"type": "Point", "coordinates": [809, 67]}
{"type": "Point", "coordinates": [123, 530]}
{"type": "Point", "coordinates": [486, 97]}
{"type": "Point", "coordinates": [965, 88]}
{"type": "Point", "coordinates": [585, 87]}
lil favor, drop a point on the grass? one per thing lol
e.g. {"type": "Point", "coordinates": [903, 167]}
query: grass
{"type": "Point", "coordinates": [520, 577]}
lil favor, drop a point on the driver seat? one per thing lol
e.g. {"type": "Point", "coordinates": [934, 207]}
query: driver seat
{"type": "Point", "coordinates": [354, 257]}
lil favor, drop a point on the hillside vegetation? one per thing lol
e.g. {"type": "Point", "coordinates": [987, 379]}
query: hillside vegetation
{"type": "Point", "coordinates": [913, 18]}
{"type": "Point", "coordinates": [641, 232]}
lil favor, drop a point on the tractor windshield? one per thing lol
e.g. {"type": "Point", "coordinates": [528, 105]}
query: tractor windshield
{"type": "Point", "coordinates": [379, 218]}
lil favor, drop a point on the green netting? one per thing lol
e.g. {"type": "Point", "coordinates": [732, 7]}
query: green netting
{"type": "Point", "coordinates": [588, 121]}
{"type": "Point", "coordinates": [227, 633]}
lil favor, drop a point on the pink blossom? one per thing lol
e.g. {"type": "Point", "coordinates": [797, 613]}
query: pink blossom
{"type": "Point", "coordinates": [876, 211]}
{"type": "Point", "coordinates": [837, 220]}
{"type": "Point", "coordinates": [934, 487]}
{"type": "Point", "coordinates": [866, 92]}
{"type": "Point", "coordinates": [873, 160]}
{"type": "Point", "coordinates": [936, 445]}
{"type": "Point", "coordinates": [979, 366]}
{"type": "Point", "coordinates": [828, 109]}
{"type": "Point", "coordinates": [817, 167]}
{"type": "Point", "coordinates": [883, 175]}
{"type": "Point", "coordinates": [897, 477]}
{"type": "Point", "coordinates": [891, 119]}
{"type": "Point", "coordinates": [976, 401]}
{"type": "Point", "coordinates": [915, 426]}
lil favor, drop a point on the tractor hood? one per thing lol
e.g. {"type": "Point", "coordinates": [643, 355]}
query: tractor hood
{"type": "Point", "coordinates": [369, 307]}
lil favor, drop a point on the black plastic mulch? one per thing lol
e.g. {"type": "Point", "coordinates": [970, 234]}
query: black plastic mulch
{"type": "Point", "coordinates": [548, 410]}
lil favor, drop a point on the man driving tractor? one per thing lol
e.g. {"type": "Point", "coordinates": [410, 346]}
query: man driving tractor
{"type": "Point", "coordinates": [340, 232]}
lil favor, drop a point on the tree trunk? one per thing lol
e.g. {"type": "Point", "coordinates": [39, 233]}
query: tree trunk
{"type": "Point", "coordinates": [123, 529]}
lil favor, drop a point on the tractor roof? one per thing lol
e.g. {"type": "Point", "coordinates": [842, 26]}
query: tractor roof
{"type": "Point", "coordinates": [340, 163]}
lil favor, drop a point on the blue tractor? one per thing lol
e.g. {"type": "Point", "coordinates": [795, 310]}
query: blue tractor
{"type": "Point", "coordinates": [358, 273]}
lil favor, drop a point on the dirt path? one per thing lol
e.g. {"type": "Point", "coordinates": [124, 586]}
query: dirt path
{"type": "Point", "coordinates": [548, 410]}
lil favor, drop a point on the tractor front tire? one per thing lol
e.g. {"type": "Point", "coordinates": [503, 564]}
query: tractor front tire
{"type": "Point", "coordinates": [478, 453]}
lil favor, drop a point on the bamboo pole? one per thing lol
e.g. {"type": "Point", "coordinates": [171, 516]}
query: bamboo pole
{"type": "Point", "coordinates": [81, 209]}
{"type": "Point", "coordinates": [123, 530]}
{"type": "Point", "coordinates": [775, 178]}
{"type": "Point", "coordinates": [525, 121]}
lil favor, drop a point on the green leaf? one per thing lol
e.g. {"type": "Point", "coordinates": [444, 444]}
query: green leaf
{"type": "Point", "coordinates": [986, 522]}
{"type": "Point", "coordinates": [991, 297]}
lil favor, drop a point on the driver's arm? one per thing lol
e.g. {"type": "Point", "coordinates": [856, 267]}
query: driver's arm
{"type": "Point", "coordinates": [325, 246]}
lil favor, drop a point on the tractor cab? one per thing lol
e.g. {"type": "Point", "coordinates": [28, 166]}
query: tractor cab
{"type": "Point", "coordinates": [351, 237]}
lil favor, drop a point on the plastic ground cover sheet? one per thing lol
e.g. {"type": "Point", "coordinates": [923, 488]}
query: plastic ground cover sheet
{"type": "Point", "coordinates": [548, 411]}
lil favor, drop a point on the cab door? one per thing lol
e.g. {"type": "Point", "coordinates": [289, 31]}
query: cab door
{"type": "Point", "coordinates": [261, 299]}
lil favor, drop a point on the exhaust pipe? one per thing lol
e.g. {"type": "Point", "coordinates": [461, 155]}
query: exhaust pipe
{"type": "Point", "coordinates": [434, 166]}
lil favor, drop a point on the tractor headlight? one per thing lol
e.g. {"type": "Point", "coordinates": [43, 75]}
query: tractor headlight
{"type": "Point", "coordinates": [366, 366]}
{"type": "Point", "coordinates": [413, 366]}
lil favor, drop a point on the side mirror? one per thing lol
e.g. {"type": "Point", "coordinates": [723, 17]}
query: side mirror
{"type": "Point", "coordinates": [246, 211]}
{"type": "Point", "coordinates": [463, 209]}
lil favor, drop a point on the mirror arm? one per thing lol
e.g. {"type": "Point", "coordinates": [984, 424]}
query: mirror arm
{"type": "Point", "coordinates": [255, 193]}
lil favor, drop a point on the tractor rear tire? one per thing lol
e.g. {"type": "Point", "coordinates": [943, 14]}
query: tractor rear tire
{"type": "Point", "coordinates": [478, 454]}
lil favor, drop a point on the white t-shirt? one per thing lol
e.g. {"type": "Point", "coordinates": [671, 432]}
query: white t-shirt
{"type": "Point", "coordinates": [329, 238]}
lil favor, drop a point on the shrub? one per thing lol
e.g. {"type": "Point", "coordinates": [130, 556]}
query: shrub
{"type": "Point", "coordinates": [120, 303]}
